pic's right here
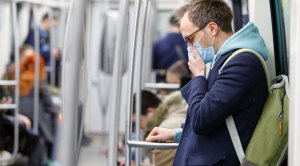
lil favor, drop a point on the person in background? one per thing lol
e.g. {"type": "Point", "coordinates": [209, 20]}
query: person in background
{"type": "Point", "coordinates": [177, 72]}
{"type": "Point", "coordinates": [29, 143]}
{"type": "Point", "coordinates": [150, 102]}
{"type": "Point", "coordinates": [239, 89]}
{"type": "Point", "coordinates": [45, 47]}
{"type": "Point", "coordinates": [168, 50]}
{"type": "Point", "coordinates": [171, 113]}
{"type": "Point", "coordinates": [47, 110]}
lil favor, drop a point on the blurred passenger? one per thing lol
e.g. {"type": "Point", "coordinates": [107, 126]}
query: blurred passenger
{"type": "Point", "coordinates": [178, 73]}
{"type": "Point", "coordinates": [45, 47]}
{"type": "Point", "coordinates": [239, 89]}
{"type": "Point", "coordinates": [47, 110]}
{"type": "Point", "coordinates": [171, 112]}
{"type": "Point", "coordinates": [150, 102]}
{"type": "Point", "coordinates": [168, 49]}
{"type": "Point", "coordinates": [29, 143]}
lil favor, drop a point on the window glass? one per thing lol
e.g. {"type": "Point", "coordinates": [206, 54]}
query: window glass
{"type": "Point", "coordinates": [285, 6]}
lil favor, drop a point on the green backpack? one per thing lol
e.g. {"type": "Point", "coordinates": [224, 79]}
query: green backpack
{"type": "Point", "coordinates": [268, 144]}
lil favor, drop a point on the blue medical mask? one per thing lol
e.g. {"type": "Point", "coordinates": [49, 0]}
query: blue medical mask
{"type": "Point", "coordinates": [207, 54]}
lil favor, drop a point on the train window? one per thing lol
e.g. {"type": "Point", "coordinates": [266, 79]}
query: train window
{"type": "Point", "coordinates": [108, 43]}
{"type": "Point", "coordinates": [280, 21]}
{"type": "Point", "coordinates": [240, 13]}
{"type": "Point", "coordinates": [285, 6]}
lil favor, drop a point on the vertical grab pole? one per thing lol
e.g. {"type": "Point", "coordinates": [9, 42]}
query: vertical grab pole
{"type": "Point", "coordinates": [147, 51]}
{"type": "Point", "coordinates": [130, 82]}
{"type": "Point", "coordinates": [151, 38]}
{"type": "Point", "coordinates": [138, 76]}
{"type": "Point", "coordinates": [36, 71]}
{"type": "Point", "coordinates": [73, 50]}
{"type": "Point", "coordinates": [52, 46]}
{"type": "Point", "coordinates": [116, 86]}
{"type": "Point", "coordinates": [17, 78]}
{"type": "Point", "coordinates": [84, 86]}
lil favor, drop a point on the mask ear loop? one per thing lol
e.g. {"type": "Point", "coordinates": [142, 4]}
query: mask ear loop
{"type": "Point", "coordinates": [212, 43]}
{"type": "Point", "coordinates": [215, 57]}
{"type": "Point", "coordinates": [202, 34]}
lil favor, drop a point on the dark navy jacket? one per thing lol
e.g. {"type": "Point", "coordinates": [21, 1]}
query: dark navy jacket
{"type": "Point", "coordinates": [45, 49]}
{"type": "Point", "coordinates": [240, 90]}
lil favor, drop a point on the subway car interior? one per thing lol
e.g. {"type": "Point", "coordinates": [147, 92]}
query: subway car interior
{"type": "Point", "coordinates": [75, 75]}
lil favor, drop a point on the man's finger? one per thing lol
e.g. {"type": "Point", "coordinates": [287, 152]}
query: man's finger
{"type": "Point", "coordinates": [195, 52]}
{"type": "Point", "coordinates": [151, 138]}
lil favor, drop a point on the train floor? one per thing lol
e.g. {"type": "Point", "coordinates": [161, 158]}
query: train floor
{"type": "Point", "coordinates": [92, 153]}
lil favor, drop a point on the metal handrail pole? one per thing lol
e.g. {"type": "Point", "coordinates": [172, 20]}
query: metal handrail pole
{"type": "Point", "coordinates": [161, 85]}
{"type": "Point", "coordinates": [85, 81]}
{"type": "Point", "coordinates": [152, 28]}
{"type": "Point", "coordinates": [151, 34]}
{"type": "Point", "coordinates": [63, 17]}
{"type": "Point", "coordinates": [52, 46]}
{"type": "Point", "coordinates": [73, 50]}
{"type": "Point", "coordinates": [8, 82]}
{"type": "Point", "coordinates": [147, 51]}
{"type": "Point", "coordinates": [152, 145]}
{"type": "Point", "coordinates": [17, 78]}
{"type": "Point", "coordinates": [36, 90]}
{"type": "Point", "coordinates": [48, 3]}
{"type": "Point", "coordinates": [138, 77]}
{"type": "Point", "coordinates": [116, 84]}
{"type": "Point", "coordinates": [8, 106]}
{"type": "Point", "coordinates": [130, 82]}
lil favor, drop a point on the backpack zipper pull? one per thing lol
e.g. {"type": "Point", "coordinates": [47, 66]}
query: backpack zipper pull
{"type": "Point", "coordinates": [280, 125]}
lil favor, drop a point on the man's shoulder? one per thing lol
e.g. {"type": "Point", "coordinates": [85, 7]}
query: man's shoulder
{"type": "Point", "coordinates": [241, 59]}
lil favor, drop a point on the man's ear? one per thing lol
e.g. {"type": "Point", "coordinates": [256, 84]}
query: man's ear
{"type": "Point", "coordinates": [213, 28]}
{"type": "Point", "coordinates": [151, 110]}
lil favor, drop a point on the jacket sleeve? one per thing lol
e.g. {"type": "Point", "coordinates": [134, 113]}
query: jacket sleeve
{"type": "Point", "coordinates": [208, 109]}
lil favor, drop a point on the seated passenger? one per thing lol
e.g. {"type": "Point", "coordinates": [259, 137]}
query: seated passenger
{"type": "Point", "coordinates": [29, 143]}
{"type": "Point", "coordinates": [47, 110]}
{"type": "Point", "coordinates": [178, 73]}
{"type": "Point", "coordinates": [171, 113]}
{"type": "Point", "coordinates": [149, 104]}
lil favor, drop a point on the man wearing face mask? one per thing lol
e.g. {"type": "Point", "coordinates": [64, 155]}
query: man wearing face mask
{"type": "Point", "coordinates": [239, 90]}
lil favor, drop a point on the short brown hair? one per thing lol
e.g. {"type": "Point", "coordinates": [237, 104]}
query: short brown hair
{"type": "Point", "coordinates": [201, 12]}
{"type": "Point", "coordinates": [180, 69]}
{"type": "Point", "coordinates": [174, 21]}
{"type": "Point", "coordinates": [148, 99]}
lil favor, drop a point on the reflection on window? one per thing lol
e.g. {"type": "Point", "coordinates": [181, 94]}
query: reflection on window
{"type": "Point", "coordinates": [285, 6]}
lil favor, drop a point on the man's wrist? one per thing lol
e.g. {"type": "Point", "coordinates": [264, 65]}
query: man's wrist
{"type": "Point", "coordinates": [177, 134]}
